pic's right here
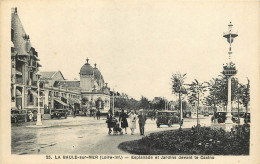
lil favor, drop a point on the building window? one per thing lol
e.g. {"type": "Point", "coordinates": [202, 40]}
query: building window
{"type": "Point", "coordinates": [31, 98]}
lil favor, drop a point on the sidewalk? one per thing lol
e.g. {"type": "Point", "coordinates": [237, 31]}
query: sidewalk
{"type": "Point", "coordinates": [109, 145]}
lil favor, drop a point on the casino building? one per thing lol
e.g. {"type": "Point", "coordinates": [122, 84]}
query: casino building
{"type": "Point", "coordinates": [95, 93]}
{"type": "Point", "coordinates": [89, 93]}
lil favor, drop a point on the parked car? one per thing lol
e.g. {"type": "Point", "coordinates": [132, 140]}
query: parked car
{"type": "Point", "coordinates": [167, 118]}
{"type": "Point", "coordinates": [58, 113]}
{"type": "Point", "coordinates": [235, 117]}
{"type": "Point", "coordinates": [221, 117]}
{"type": "Point", "coordinates": [18, 116]}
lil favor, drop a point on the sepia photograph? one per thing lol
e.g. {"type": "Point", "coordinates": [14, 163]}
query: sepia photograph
{"type": "Point", "coordinates": [130, 80]}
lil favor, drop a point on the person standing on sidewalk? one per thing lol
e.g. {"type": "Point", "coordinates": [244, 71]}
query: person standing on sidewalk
{"type": "Point", "coordinates": [94, 113]}
{"type": "Point", "coordinates": [123, 119]}
{"type": "Point", "coordinates": [98, 114]}
{"type": "Point", "coordinates": [133, 119]}
{"type": "Point", "coordinates": [30, 115]}
{"type": "Point", "coordinates": [142, 119]}
{"type": "Point", "coordinates": [109, 122]}
{"type": "Point", "coordinates": [74, 111]}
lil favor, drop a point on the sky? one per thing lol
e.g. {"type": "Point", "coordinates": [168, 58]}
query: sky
{"type": "Point", "coordinates": [138, 45]}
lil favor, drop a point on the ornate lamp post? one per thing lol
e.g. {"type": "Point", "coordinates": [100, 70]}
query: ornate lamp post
{"type": "Point", "coordinates": [229, 70]}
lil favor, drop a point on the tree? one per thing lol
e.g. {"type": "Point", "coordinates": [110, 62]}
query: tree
{"type": "Point", "coordinates": [158, 103]}
{"type": "Point", "coordinates": [213, 99]}
{"type": "Point", "coordinates": [144, 103]}
{"type": "Point", "coordinates": [196, 92]}
{"type": "Point", "coordinates": [246, 95]}
{"type": "Point", "coordinates": [178, 87]}
{"type": "Point", "coordinates": [246, 99]}
{"type": "Point", "coordinates": [132, 104]}
{"type": "Point", "coordinates": [84, 100]}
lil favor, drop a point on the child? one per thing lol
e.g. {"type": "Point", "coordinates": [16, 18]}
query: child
{"type": "Point", "coordinates": [117, 128]}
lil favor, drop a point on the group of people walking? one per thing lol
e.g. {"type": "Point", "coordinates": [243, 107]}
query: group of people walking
{"type": "Point", "coordinates": [118, 126]}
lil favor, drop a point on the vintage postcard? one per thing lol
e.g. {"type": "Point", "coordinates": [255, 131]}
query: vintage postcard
{"type": "Point", "coordinates": [129, 81]}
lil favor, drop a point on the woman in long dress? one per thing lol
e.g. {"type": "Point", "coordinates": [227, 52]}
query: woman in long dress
{"type": "Point", "coordinates": [123, 119]}
{"type": "Point", "coordinates": [132, 119]}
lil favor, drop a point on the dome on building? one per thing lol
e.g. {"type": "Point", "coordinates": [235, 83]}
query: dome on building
{"type": "Point", "coordinates": [86, 69]}
{"type": "Point", "coordinates": [97, 73]}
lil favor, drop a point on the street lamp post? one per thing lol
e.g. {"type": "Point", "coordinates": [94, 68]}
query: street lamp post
{"type": "Point", "coordinates": [229, 70]}
{"type": "Point", "coordinates": [39, 120]}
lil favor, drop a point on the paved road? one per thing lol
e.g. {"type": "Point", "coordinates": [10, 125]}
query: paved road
{"type": "Point", "coordinates": [80, 135]}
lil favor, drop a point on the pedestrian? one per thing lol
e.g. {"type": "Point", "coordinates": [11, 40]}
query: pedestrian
{"type": "Point", "coordinates": [123, 119]}
{"type": "Point", "coordinates": [98, 114]}
{"type": "Point", "coordinates": [109, 122]}
{"type": "Point", "coordinates": [110, 111]}
{"type": "Point", "coordinates": [117, 130]}
{"type": "Point", "coordinates": [30, 115]}
{"type": "Point", "coordinates": [94, 113]}
{"type": "Point", "coordinates": [133, 119]}
{"type": "Point", "coordinates": [74, 111]}
{"type": "Point", "coordinates": [142, 120]}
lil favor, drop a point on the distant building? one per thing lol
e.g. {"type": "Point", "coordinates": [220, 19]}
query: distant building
{"type": "Point", "coordinates": [89, 93]}
{"type": "Point", "coordinates": [59, 93]}
{"type": "Point", "coordinates": [94, 91]}
{"type": "Point", "coordinates": [85, 95]}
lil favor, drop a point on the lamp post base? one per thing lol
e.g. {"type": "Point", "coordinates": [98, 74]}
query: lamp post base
{"type": "Point", "coordinates": [229, 123]}
{"type": "Point", "coordinates": [38, 123]}
{"type": "Point", "coordinates": [39, 120]}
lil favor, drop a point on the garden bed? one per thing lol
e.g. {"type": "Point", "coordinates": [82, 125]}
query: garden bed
{"type": "Point", "coordinates": [194, 141]}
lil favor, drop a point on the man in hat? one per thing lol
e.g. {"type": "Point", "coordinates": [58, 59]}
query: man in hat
{"type": "Point", "coordinates": [142, 120]}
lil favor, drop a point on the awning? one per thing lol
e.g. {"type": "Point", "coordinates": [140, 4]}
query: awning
{"type": "Point", "coordinates": [64, 97]}
{"type": "Point", "coordinates": [61, 102]}
{"type": "Point", "coordinates": [34, 93]}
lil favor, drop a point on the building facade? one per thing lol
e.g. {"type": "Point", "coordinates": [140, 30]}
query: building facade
{"type": "Point", "coordinates": [94, 91]}
{"type": "Point", "coordinates": [24, 68]}
{"type": "Point", "coordinates": [59, 93]}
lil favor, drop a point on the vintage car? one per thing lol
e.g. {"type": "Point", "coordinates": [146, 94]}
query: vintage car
{"type": "Point", "coordinates": [58, 113]}
{"type": "Point", "coordinates": [237, 116]}
{"type": "Point", "coordinates": [221, 117]}
{"type": "Point", "coordinates": [18, 116]}
{"type": "Point", "coordinates": [167, 118]}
